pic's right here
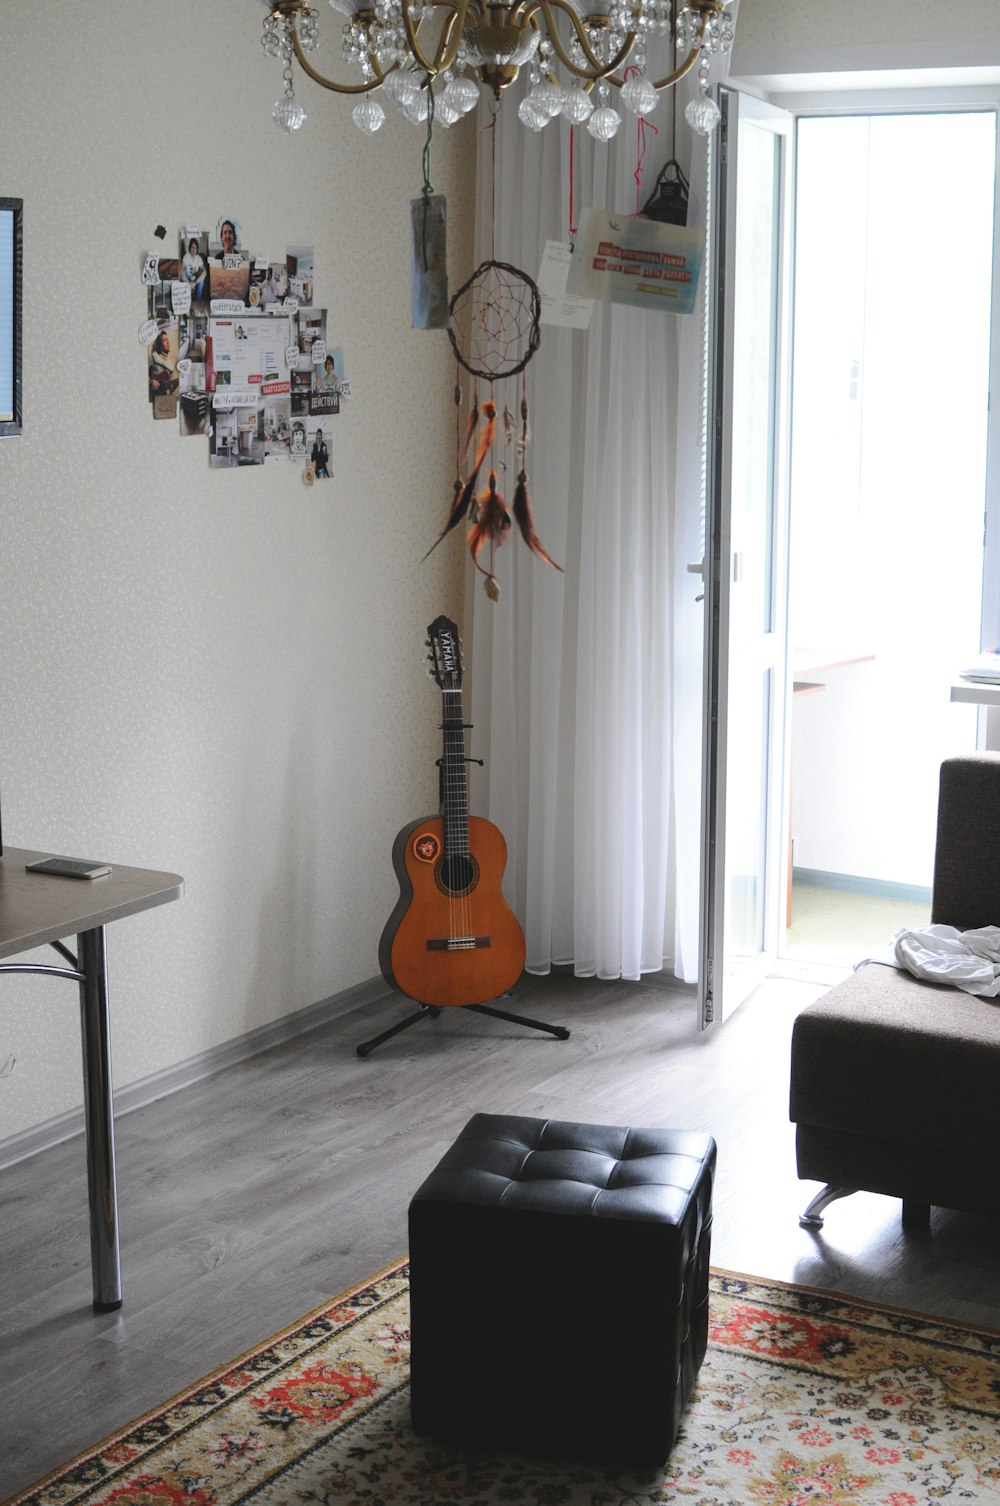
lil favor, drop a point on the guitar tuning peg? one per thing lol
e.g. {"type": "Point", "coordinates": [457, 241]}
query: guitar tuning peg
{"type": "Point", "coordinates": [427, 643]}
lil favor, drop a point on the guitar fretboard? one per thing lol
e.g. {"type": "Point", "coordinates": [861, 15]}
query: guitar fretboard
{"type": "Point", "coordinates": [456, 796]}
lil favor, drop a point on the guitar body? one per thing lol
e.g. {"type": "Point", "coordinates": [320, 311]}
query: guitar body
{"type": "Point", "coordinates": [452, 939]}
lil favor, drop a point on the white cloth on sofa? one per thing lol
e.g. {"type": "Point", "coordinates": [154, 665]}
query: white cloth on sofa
{"type": "Point", "coordinates": [969, 960]}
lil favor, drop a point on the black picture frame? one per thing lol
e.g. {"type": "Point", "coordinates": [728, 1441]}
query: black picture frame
{"type": "Point", "coordinates": [11, 271]}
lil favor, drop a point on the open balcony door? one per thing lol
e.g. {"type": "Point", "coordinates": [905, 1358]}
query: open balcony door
{"type": "Point", "coordinates": [745, 569]}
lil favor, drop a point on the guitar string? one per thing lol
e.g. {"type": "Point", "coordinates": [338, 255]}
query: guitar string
{"type": "Point", "coordinates": [448, 710]}
{"type": "Point", "coordinates": [455, 771]}
{"type": "Point", "coordinates": [448, 819]}
{"type": "Point", "coordinates": [457, 854]}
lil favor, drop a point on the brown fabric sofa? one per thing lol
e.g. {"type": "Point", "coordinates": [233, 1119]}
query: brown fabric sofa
{"type": "Point", "coordinates": [895, 1082]}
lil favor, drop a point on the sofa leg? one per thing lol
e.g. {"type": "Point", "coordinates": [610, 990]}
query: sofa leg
{"type": "Point", "coordinates": [813, 1216]}
{"type": "Point", "coordinates": [916, 1215]}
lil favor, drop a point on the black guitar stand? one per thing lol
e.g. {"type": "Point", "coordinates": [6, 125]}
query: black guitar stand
{"type": "Point", "coordinates": [448, 674]}
{"type": "Point", "coordinates": [431, 1011]}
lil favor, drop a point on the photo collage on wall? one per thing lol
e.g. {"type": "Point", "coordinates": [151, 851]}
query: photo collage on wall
{"type": "Point", "coordinates": [239, 353]}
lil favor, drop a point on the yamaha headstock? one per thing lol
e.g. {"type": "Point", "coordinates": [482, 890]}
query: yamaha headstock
{"type": "Point", "coordinates": [445, 653]}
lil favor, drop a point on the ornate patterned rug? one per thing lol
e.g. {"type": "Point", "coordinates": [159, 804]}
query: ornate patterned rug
{"type": "Point", "coordinates": [804, 1398]}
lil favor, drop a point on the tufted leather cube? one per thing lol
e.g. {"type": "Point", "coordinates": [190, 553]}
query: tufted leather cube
{"type": "Point", "coordinates": [559, 1286]}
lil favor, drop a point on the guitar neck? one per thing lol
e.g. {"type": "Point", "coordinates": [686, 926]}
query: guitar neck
{"type": "Point", "coordinates": [455, 803]}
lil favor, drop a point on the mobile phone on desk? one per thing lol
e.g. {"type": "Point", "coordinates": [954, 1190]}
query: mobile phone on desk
{"type": "Point", "coordinates": [82, 868]}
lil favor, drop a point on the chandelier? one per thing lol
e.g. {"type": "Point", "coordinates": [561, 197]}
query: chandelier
{"type": "Point", "coordinates": [430, 57]}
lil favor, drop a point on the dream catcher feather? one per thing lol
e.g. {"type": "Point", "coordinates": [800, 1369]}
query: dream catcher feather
{"type": "Point", "coordinates": [494, 328]}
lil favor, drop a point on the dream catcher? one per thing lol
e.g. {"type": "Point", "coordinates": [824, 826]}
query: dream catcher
{"type": "Point", "coordinates": [494, 329]}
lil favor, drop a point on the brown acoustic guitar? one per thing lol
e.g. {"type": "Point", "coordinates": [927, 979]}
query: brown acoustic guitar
{"type": "Point", "coordinates": [452, 939]}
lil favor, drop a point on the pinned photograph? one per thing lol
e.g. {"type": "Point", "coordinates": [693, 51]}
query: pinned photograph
{"type": "Point", "coordinates": [229, 263]}
{"type": "Point", "coordinates": [194, 268]}
{"type": "Point", "coordinates": [250, 436]}
{"type": "Point", "coordinates": [224, 442]}
{"type": "Point", "coordinates": [300, 273]}
{"type": "Point", "coordinates": [229, 239]}
{"type": "Point", "coordinates": [195, 404]}
{"type": "Point", "coordinates": [301, 384]}
{"type": "Point", "coordinates": [160, 300]}
{"type": "Point", "coordinates": [194, 338]}
{"type": "Point", "coordinates": [327, 377]}
{"type": "Point", "coordinates": [268, 284]}
{"type": "Point", "coordinates": [299, 449]}
{"type": "Point", "coordinates": [312, 328]}
{"type": "Point", "coordinates": [277, 424]}
{"type": "Point", "coordinates": [325, 404]}
{"type": "Point", "coordinates": [164, 354]}
{"type": "Point", "coordinates": [274, 287]}
{"type": "Point", "coordinates": [228, 281]}
{"type": "Point", "coordinates": [319, 451]}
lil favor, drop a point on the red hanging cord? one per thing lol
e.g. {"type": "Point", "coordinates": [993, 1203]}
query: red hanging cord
{"type": "Point", "coordinates": [572, 226]}
{"type": "Point", "coordinates": [641, 128]}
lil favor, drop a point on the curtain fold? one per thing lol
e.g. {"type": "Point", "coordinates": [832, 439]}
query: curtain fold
{"type": "Point", "coordinates": [586, 689]}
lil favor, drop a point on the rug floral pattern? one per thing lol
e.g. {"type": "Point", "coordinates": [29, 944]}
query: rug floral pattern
{"type": "Point", "coordinates": [804, 1400]}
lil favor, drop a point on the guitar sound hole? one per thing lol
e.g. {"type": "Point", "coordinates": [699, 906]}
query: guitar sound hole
{"type": "Point", "coordinates": [457, 874]}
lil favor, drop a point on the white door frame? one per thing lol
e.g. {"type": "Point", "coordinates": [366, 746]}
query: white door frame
{"type": "Point", "coordinates": [722, 987]}
{"type": "Point", "coordinates": [948, 97]}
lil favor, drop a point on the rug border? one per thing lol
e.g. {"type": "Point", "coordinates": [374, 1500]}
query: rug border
{"type": "Point", "coordinates": [391, 1269]}
{"type": "Point", "coordinates": [846, 1297]}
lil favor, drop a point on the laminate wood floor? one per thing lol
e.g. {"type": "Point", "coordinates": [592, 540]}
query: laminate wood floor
{"type": "Point", "coordinates": [261, 1192]}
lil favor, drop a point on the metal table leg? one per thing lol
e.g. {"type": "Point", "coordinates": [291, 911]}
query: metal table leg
{"type": "Point", "coordinates": [98, 1107]}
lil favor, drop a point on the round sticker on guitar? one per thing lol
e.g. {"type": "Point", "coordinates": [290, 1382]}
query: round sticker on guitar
{"type": "Point", "coordinates": [426, 847]}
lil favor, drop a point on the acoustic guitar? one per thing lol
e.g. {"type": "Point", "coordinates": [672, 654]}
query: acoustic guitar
{"type": "Point", "coordinates": [452, 939]}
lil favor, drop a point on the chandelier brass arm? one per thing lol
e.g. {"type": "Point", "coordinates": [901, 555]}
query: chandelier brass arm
{"type": "Point", "coordinates": [595, 69]}
{"type": "Point", "coordinates": [289, 9]}
{"type": "Point", "coordinates": [669, 78]}
{"type": "Point", "coordinates": [444, 56]}
{"type": "Point", "coordinates": [448, 42]}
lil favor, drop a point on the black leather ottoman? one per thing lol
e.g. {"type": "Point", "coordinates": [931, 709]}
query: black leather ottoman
{"type": "Point", "coordinates": [559, 1286]}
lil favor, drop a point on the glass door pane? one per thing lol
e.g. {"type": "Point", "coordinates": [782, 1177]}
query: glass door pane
{"type": "Point", "coordinates": [744, 641]}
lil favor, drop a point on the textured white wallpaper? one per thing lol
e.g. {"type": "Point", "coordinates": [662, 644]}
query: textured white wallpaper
{"type": "Point", "coordinates": [214, 673]}
{"type": "Point", "coordinates": [846, 23]}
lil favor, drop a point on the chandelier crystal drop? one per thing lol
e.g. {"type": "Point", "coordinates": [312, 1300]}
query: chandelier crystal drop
{"type": "Point", "coordinates": [368, 115]}
{"type": "Point", "coordinates": [574, 49]}
{"type": "Point", "coordinates": [531, 114]}
{"type": "Point", "coordinates": [462, 93]}
{"type": "Point", "coordinates": [577, 105]}
{"type": "Point", "coordinates": [639, 95]}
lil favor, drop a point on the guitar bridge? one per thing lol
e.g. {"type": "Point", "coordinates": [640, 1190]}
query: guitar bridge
{"type": "Point", "coordinates": [458, 943]}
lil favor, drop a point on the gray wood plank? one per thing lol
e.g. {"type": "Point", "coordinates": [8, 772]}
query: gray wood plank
{"type": "Point", "coordinates": [252, 1196]}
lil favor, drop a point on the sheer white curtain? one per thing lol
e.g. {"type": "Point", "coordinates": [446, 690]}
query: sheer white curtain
{"type": "Point", "coordinates": [586, 691]}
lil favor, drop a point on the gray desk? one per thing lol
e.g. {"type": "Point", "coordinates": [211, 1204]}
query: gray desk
{"type": "Point", "coordinates": [37, 910]}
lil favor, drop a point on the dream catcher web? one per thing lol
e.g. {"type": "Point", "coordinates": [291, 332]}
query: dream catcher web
{"type": "Point", "coordinates": [495, 321]}
{"type": "Point", "coordinates": [494, 328]}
